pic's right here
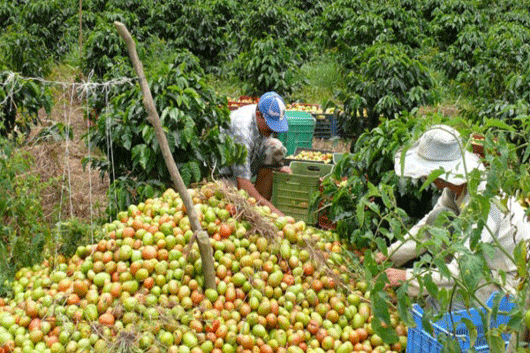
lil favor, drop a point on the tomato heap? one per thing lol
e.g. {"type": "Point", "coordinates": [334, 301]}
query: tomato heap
{"type": "Point", "coordinates": [140, 289]}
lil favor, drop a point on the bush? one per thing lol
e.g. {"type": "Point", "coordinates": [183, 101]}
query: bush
{"type": "Point", "coordinates": [504, 51]}
{"type": "Point", "coordinates": [24, 230]}
{"type": "Point", "coordinates": [334, 18]}
{"type": "Point", "coordinates": [203, 30]}
{"type": "Point", "coordinates": [24, 53]}
{"type": "Point", "coordinates": [191, 114]}
{"type": "Point", "coordinates": [270, 65]}
{"type": "Point", "coordinates": [8, 14]}
{"type": "Point", "coordinates": [45, 19]}
{"type": "Point", "coordinates": [20, 102]}
{"type": "Point", "coordinates": [448, 18]}
{"type": "Point", "coordinates": [384, 82]}
{"type": "Point", "coordinates": [102, 49]}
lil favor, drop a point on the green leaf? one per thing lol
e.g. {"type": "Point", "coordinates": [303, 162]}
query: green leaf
{"type": "Point", "coordinates": [471, 268]}
{"type": "Point", "coordinates": [141, 154]}
{"type": "Point", "coordinates": [472, 330]}
{"type": "Point", "coordinates": [520, 255]}
{"type": "Point", "coordinates": [360, 212]}
{"type": "Point", "coordinates": [432, 177]}
{"type": "Point", "coordinates": [442, 267]}
{"type": "Point", "coordinates": [432, 287]}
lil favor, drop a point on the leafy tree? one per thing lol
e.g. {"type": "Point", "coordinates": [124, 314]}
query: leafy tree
{"type": "Point", "coordinates": [24, 53]}
{"type": "Point", "coordinates": [8, 14]}
{"type": "Point", "coordinates": [203, 30]}
{"type": "Point", "coordinates": [268, 19]}
{"type": "Point", "coordinates": [448, 18]}
{"type": "Point", "coordinates": [334, 18]}
{"type": "Point", "coordinates": [460, 57]}
{"type": "Point", "coordinates": [505, 50]}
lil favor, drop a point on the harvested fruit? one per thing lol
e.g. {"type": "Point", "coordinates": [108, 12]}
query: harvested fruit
{"type": "Point", "coordinates": [280, 287]}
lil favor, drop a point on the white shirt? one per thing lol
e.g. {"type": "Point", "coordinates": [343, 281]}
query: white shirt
{"type": "Point", "coordinates": [509, 229]}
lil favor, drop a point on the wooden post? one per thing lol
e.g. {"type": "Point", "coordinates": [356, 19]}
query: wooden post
{"type": "Point", "coordinates": [80, 28]}
{"type": "Point", "coordinates": [203, 240]}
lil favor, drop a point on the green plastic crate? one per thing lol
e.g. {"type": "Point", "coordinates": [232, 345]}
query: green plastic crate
{"type": "Point", "coordinates": [337, 157]}
{"type": "Point", "coordinates": [291, 193]}
{"type": "Point", "coordinates": [301, 129]}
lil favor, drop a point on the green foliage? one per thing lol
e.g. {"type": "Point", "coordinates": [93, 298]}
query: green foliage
{"type": "Point", "coordinates": [203, 29]}
{"type": "Point", "coordinates": [351, 26]}
{"type": "Point", "coordinates": [325, 79]}
{"type": "Point", "coordinates": [384, 82]}
{"type": "Point", "coordinates": [448, 18]}
{"type": "Point", "coordinates": [7, 14]}
{"type": "Point", "coordinates": [24, 231]}
{"type": "Point", "coordinates": [268, 19]}
{"type": "Point", "coordinates": [348, 194]}
{"type": "Point", "coordinates": [72, 233]}
{"type": "Point", "coordinates": [125, 191]}
{"type": "Point", "coordinates": [20, 102]}
{"type": "Point", "coordinates": [45, 19]}
{"type": "Point", "coordinates": [270, 65]}
{"type": "Point", "coordinates": [24, 52]}
{"type": "Point", "coordinates": [192, 116]}
{"type": "Point", "coordinates": [100, 50]}
{"type": "Point", "coordinates": [334, 18]}
{"type": "Point", "coordinates": [505, 51]}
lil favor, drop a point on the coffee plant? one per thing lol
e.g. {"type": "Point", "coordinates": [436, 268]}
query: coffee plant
{"type": "Point", "coordinates": [7, 14]}
{"type": "Point", "coordinates": [384, 82]}
{"type": "Point", "coordinates": [270, 65]}
{"type": "Point", "coordinates": [45, 19]}
{"type": "Point", "coordinates": [20, 102]}
{"type": "Point", "coordinates": [192, 115]}
{"type": "Point", "coordinates": [24, 53]}
{"type": "Point", "coordinates": [101, 50]}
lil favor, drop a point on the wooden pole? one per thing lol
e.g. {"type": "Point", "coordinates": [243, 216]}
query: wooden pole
{"type": "Point", "coordinates": [203, 240]}
{"type": "Point", "coordinates": [80, 28]}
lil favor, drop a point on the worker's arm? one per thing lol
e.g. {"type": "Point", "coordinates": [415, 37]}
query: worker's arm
{"type": "Point", "coordinates": [247, 185]}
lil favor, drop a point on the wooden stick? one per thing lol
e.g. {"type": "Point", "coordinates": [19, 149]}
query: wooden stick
{"type": "Point", "coordinates": [203, 240]}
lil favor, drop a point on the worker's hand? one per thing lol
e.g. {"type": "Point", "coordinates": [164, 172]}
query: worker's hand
{"type": "Point", "coordinates": [395, 277]}
{"type": "Point", "coordinates": [286, 169]}
{"type": "Point", "coordinates": [379, 257]}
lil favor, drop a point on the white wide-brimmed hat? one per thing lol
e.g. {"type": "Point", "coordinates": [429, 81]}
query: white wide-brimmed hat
{"type": "Point", "coordinates": [439, 147]}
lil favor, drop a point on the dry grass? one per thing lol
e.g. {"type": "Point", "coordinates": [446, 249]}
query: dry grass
{"type": "Point", "coordinates": [77, 192]}
{"type": "Point", "coordinates": [337, 146]}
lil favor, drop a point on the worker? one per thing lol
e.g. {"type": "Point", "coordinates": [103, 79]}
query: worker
{"type": "Point", "coordinates": [253, 126]}
{"type": "Point", "coordinates": [441, 147]}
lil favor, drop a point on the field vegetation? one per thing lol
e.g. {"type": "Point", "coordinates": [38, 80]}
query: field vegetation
{"type": "Point", "coordinates": [389, 69]}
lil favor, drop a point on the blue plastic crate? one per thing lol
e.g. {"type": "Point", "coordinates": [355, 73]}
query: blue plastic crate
{"type": "Point", "coordinates": [419, 341]}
